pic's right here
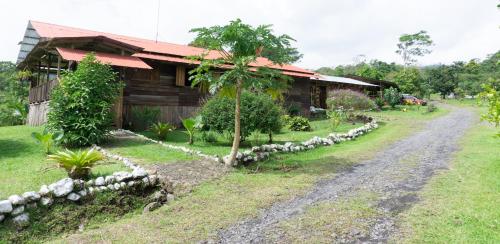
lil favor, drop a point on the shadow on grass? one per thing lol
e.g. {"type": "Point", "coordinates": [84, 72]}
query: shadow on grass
{"type": "Point", "coordinates": [13, 148]}
{"type": "Point", "coordinates": [321, 166]}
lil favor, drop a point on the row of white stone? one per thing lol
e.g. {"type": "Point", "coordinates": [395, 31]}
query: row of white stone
{"type": "Point", "coordinates": [74, 190]}
{"type": "Point", "coordinates": [262, 152]}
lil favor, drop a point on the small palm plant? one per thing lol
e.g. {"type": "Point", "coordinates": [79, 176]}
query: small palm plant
{"type": "Point", "coordinates": [79, 163]}
{"type": "Point", "coordinates": [335, 118]}
{"type": "Point", "coordinates": [48, 139]}
{"type": "Point", "coordinates": [162, 129]}
{"type": "Point", "coordinates": [190, 125]}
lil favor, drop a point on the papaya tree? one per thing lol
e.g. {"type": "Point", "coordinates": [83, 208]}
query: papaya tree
{"type": "Point", "coordinates": [228, 65]}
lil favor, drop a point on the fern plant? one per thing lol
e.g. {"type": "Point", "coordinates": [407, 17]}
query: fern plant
{"type": "Point", "coordinates": [47, 139]}
{"type": "Point", "coordinates": [335, 118]}
{"type": "Point", "coordinates": [79, 163]}
{"type": "Point", "coordinates": [161, 130]}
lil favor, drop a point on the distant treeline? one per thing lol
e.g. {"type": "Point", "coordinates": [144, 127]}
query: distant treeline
{"type": "Point", "coordinates": [460, 78]}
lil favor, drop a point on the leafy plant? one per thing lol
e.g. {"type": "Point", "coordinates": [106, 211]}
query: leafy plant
{"type": "Point", "coordinates": [190, 126]}
{"type": "Point", "coordinates": [81, 105]}
{"type": "Point", "coordinates": [392, 96]}
{"type": "Point", "coordinates": [379, 102]}
{"type": "Point", "coordinates": [349, 99]}
{"type": "Point", "coordinates": [209, 136]}
{"type": "Point", "coordinates": [258, 112]}
{"type": "Point", "coordinates": [299, 123]}
{"type": "Point", "coordinates": [241, 45]}
{"type": "Point", "coordinates": [293, 109]}
{"type": "Point", "coordinates": [47, 139]}
{"type": "Point", "coordinates": [431, 107]}
{"type": "Point", "coordinates": [492, 96]}
{"type": "Point", "coordinates": [143, 117]}
{"type": "Point", "coordinates": [162, 129]}
{"type": "Point", "coordinates": [336, 118]}
{"type": "Point", "coordinates": [79, 163]}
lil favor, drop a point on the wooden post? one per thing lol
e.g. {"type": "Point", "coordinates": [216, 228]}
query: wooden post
{"type": "Point", "coordinates": [58, 66]}
{"type": "Point", "coordinates": [39, 72]}
{"type": "Point", "coordinates": [48, 67]}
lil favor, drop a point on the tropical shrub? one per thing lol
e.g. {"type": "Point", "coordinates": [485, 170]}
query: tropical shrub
{"type": "Point", "coordinates": [190, 126]}
{"type": "Point", "coordinates": [293, 109]}
{"type": "Point", "coordinates": [349, 99]}
{"type": "Point", "coordinates": [81, 104]}
{"type": "Point", "coordinates": [285, 119]}
{"type": "Point", "coordinates": [431, 107]}
{"type": "Point", "coordinates": [208, 136]}
{"type": "Point", "coordinates": [79, 163]}
{"type": "Point", "coordinates": [47, 139]}
{"type": "Point", "coordinates": [299, 123]}
{"type": "Point", "coordinates": [258, 112]}
{"type": "Point", "coordinates": [392, 96]}
{"type": "Point", "coordinates": [335, 118]}
{"type": "Point", "coordinates": [143, 117]}
{"type": "Point", "coordinates": [379, 102]}
{"type": "Point", "coordinates": [162, 129]}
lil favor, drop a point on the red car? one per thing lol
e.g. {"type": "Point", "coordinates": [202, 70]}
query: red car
{"type": "Point", "coordinates": [411, 100]}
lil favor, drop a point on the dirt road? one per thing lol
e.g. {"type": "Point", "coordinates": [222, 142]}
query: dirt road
{"type": "Point", "coordinates": [394, 175]}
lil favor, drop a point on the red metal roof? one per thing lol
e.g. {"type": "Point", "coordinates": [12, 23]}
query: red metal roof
{"type": "Point", "coordinates": [112, 59]}
{"type": "Point", "coordinates": [49, 31]}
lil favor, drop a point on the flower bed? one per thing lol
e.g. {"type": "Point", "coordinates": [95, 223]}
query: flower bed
{"type": "Point", "coordinates": [72, 190]}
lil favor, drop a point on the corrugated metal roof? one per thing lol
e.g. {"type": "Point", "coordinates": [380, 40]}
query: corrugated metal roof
{"type": "Point", "coordinates": [54, 31]}
{"type": "Point", "coordinates": [111, 59]}
{"type": "Point", "coordinates": [338, 79]}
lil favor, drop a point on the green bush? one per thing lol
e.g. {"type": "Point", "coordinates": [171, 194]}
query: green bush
{"type": "Point", "coordinates": [161, 130]}
{"type": "Point", "coordinates": [335, 118]}
{"type": "Point", "coordinates": [143, 117]}
{"type": "Point", "coordinates": [379, 102]}
{"type": "Point", "coordinates": [431, 107]}
{"type": "Point", "coordinates": [209, 136]}
{"type": "Point", "coordinates": [299, 123]}
{"type": "Point", "coordinates": [392, 96]}
{"type": "Point", "coordinates": [81, 105]}
{"type": "Point", "coordinates": [293, 109]}
{"type": "Point", "coordinates": [349, 100]}
{"type": "Point", "coordinates": [258, 112]}
{"type": "Point", "coordinates": [47, 139]}
{"type": "Point", "coordinates": [79, 163]}
{"type": "Point", "coordinates": [190, 126]}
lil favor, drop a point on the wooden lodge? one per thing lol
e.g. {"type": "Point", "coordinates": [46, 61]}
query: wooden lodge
{"type": "Point", "coordinates": [155, 73]}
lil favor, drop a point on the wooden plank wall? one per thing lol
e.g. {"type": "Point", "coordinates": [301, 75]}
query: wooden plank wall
{"type": "Point", "coordinates": [164, 87]}
{"type": "Point", "coordinates": [300, 93]}
{"type": "Point", "coordinates": [42, 92]}
{"type": "Point", "coordinates": [37, 114]}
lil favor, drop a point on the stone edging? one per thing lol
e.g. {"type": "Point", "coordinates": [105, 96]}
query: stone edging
{"type": "Point", "coordinates": [259, 153]}
{"type": "Point", "coordinates": [74, 190]}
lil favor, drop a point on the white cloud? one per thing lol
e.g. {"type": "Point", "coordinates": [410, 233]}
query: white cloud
{"type": "Point", "coordinates": [327, 32]}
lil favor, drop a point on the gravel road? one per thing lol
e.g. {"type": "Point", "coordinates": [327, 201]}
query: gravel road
{"type": "Point", "coordinates": [394, 174]}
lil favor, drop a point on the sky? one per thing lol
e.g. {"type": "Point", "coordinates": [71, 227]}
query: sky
{"type": "Point", "coordinates": [327, 32]}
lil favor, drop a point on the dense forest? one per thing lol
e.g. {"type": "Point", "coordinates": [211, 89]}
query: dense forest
{"type": "Point", "coordinates": [459, 78]}
{"type": "Point", "coordinates": [13, 95]}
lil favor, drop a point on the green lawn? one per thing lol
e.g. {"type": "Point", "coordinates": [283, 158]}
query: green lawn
{"type": "Point", "coordinates": [144, 152]}
{"type": "Point", "coordinates": [240, 194]}
{"type": "Point", "coordinates": [24, 165]}
{"type": "Point", "coordinates": [461, 205]}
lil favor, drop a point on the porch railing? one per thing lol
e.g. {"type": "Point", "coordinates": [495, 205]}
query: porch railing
{"type": "Point", "coordinates": [42, 92]}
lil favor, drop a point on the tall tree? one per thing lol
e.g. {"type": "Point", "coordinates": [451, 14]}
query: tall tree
{"type": "Point", "coordinates": [235, 48]}
{"type": "Point", "coordinates": [411, 46]}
